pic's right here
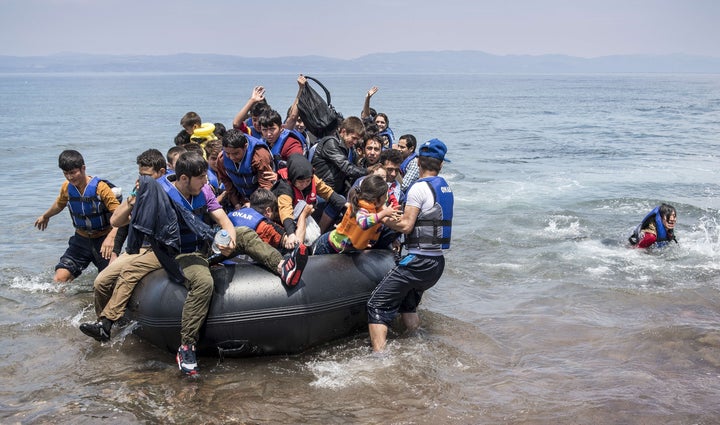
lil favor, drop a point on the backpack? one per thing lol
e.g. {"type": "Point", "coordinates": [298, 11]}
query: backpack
{"type": "Point", "coordinates": [319, 116]}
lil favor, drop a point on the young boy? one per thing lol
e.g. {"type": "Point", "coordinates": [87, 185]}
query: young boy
{"type": "Point", "coordinates": [91, 203]}
{"type": "Point", "coordinates": [172, 155]}
{"type": "Point", "coordinates": [282, 142]}
{"type": "Point", "coordinates": [190, 121]}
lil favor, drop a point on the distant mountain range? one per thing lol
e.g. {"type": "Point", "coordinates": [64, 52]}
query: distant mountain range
{"type": "Point", "coordinates": [441, 62]}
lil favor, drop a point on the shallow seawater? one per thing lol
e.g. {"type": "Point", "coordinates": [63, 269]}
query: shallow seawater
{"type": "Point", "coordinates": [543, 315]}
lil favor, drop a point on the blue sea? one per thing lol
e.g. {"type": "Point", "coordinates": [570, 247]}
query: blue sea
{"type": "Point", "coordinates": [543, 315]}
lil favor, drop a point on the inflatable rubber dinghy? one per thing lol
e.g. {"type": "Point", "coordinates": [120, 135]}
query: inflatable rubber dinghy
{"type": "Point", "coordinates": [252, 313]}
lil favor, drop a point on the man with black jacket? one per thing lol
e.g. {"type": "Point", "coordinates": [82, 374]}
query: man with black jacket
{"type": "Point", "coordinates": [331, 161]}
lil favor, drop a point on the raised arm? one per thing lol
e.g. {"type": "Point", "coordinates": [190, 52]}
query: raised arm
{"type": "Point", "coordinates": [366, 107]}
{"type": "Point", "coordinates": [257, 95]}
{"type": "Point", "coordinates": [291, 120]}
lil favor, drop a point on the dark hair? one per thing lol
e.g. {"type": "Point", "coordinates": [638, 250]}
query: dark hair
{"type": "Point", "coordinates": [259, 108]}
{"type": "Point", "coordinates": [175, 151]}
{"type": "Point", "coordinates": [234, 139]}
{"type": "Point", "coordinates": [270, 118]}
{"type": "Point", "coordinates": [70, 160]}
{"type": "Point", "coordinates": [190, 119]}
{"type": "Point", "coordinates": [382, 114]}
{"type": "Point", "coordinates": [371, 130]}
{"type": "Point", "coordinates": [410, 141]}
{"type": "Point", "coordinates": [190, 164]}
{"type": "Point", "coordinates": [220, 130]}
{"type": "Point", "coordinates": [262, 199]}
{"type": "Point", "coordinates": [371, 188]}
{"type": "Point", "coordinates": [666, 210]}
{"type": "Point", "coordinates": [152, 158]}
{"type": "Point", "coordinates": [194, 147]}
{"type": "Point", "coordinates": [374, 138]}
{"type": "Point", "coordinates": [392, 155]}
{"type": "Point", "coordinates": [429, 164]}
{"type": "Point", "coordinates": [182, 138]}
{"type": "Point", "coordinates": [213, 147]}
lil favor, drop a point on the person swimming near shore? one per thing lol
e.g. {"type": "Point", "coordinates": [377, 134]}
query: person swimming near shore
{"type": "Point", "coordinates": [657, 229]}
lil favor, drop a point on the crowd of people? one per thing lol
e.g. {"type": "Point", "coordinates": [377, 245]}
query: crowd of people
{"type": "Point", "coordinates": [279, 192]}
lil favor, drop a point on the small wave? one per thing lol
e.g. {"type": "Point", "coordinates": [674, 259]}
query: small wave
{"type": "Point", "coordinates": [342, 370]}
{"type": "Point", "coordinates": [36, 284]}
{"type": "Point", "coordinates": [564, 227]}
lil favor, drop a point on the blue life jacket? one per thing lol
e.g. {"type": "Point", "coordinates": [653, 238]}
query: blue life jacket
{"type": "Point", "coordinates": [88, 211]}
{"type": "Point", "coordinates": [433, 227]}
{"type": "Point", "coordinates": [406, 162]}
{"type": "Point", "coordinates": [277, 148]}
{"type": "Point", "coordinates": [388, 133]}
{"type": "Point", "coordinates": [165, 183]}
{"type": "Point", "coordinates": [253, 132]}
{"type": "Point", "coordinates": [243, 177]}
{"type": "Point", "coordinates": [189, 241]}
{"type": "Point", "coordinates": [662, 234]}
{"type": "Point", "coordinates": [214, 181]}
{"type": "Point", "coordinates": [247, 217]}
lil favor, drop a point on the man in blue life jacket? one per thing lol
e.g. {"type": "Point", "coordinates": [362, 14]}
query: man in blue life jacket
{"type": "Point", "coordinates": [281, 141]}
{"type": "Point", "coordinates": [427, 224]}
{"type": "Point", "coordinates": [244, 165]}
{"type": "Point", "coordinates": [91, 202]}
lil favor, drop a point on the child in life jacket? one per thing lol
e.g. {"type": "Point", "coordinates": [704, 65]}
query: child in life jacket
{"type": "Point", "coordinates": [361, 225]}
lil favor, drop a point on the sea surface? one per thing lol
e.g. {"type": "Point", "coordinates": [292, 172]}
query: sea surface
{"type": "Point", "coordinates": [543, 315]}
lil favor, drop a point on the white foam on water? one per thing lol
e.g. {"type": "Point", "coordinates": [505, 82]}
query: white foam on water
{"type": "Point", "coordinates": [357, 367]}
{"type": "Point", "coordinates": [563, 226]}
{"type": "Point", "coordinates": [36, 284]}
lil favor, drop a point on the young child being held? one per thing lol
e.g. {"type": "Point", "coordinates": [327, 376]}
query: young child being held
{"type": "Point", "coordinates": [360, 227]}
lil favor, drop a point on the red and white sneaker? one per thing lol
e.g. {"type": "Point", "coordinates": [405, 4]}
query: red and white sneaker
{"type": "Point", "coordinates": [293, 265]}
{"type": "Point", "coordinates": [186, 360]}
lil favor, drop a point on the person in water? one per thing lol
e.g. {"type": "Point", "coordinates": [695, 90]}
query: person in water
{"type": "Point", "coordinates": [656, 229]}
{"type": "Point", "coordinates": [91, 202]}
{"type": "Point", "coordinates": [427, 224]}
{"type": "Point", "coordinates": [361, 225]}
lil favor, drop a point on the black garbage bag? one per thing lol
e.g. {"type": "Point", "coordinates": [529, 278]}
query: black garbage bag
{"type": "Point", "coordinates": [320, 117]}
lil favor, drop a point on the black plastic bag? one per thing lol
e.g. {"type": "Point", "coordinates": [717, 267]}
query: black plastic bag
{"type": "Point", "coordinates": [318, 115]}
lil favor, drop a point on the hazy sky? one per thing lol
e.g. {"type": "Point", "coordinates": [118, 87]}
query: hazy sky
{"type": "Point", "coordinates": [350, 29]}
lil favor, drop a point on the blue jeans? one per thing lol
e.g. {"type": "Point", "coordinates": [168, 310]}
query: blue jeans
{"type": "Point", "coordinates": [322, 245]}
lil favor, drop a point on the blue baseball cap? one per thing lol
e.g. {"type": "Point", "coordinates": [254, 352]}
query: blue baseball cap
{"type": "Point", "coordinates": [434, 148]}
